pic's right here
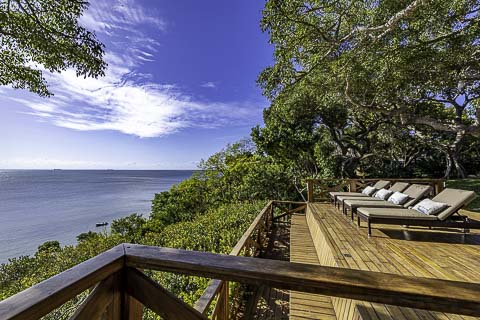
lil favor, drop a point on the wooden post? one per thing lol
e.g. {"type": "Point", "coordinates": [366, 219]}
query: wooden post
{"type": "Point", "coordinates": [114, 310]}
{"type": "Point", "coordinates": [132, 309]}
{"type": "Point", "coordinates": [352, 185]}
{"type": "Point", "coordinates": [439, 186]}
{"type": "Point", "coordinates": [226, 309]}
{"type": "Point", "coordinates": [310, 190]}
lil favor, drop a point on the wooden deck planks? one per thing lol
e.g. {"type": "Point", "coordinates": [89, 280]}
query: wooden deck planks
{"type": "Point", "coordinates": [417, 252]}
{"type": "Point", "coordinates": [302, 249]}
{"type": "Point", "coordinates": [272, 303]}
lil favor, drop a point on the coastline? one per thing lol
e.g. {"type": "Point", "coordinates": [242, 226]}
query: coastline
{"type": "Point", "coordinates": [57, 205]}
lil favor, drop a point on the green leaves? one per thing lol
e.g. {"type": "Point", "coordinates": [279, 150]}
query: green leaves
{"type": "Point", "coordinates": [414, 64]}
{"type": "Point", "coordinates": [38, 35]}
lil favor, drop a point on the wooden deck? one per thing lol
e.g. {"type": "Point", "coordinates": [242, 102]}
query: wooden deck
{"type": "Point", "coordinates": [306, 305]}
{"type": "Point", "coordinates": [414, 251]}
{"type": "Point", "coordinates": [413, 268]}
{"type": "Point", "coordinates": [266, 302]}
{"type": "Point", "coordinates": [324, 236]}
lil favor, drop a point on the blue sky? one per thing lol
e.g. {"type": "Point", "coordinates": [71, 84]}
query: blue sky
{"type": "Point", "coordinates": [180, 85]}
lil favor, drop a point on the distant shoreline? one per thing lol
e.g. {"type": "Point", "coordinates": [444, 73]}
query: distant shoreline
{"type": "Point", "coordinates": [45, 204]}
{"type": "Point", "coordinates": [60, 169]}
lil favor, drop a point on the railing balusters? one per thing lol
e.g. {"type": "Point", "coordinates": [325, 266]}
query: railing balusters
{"type": "Point", "coordinates": [122, 290]}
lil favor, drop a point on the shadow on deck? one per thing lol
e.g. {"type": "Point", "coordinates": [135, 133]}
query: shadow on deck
{"type": "Point", "coordinates": [440, 253]}
{"type": "Point", "coordinates": [323, 236]}
{"type": "Point", "coordinates": [266, 302]}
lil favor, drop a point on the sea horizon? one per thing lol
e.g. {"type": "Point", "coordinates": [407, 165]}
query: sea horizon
{"type": "Point", "coordinates": [38, 205]}
{"type": "Point", "coordinates": [62, 169]}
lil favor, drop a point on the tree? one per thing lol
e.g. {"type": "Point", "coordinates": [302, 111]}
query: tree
{"type": "Point", "coordinates": [129, 227]}
{"type": "Point", "coordinates": [414, 62]}
{"type": "Point", "coordinates": [86, 236]}
{"type": "Point", "coordinates": [49, 246]}
{"type": "Point", "coordinates": [41, 35]}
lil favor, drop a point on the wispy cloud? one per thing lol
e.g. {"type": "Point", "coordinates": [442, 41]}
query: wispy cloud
{"type": "Point", "coordinates": [127, 100]}
{"type": "Point", "coordinates": [108, 16]}
{"type": "Point", "coordinates": [208, 84]}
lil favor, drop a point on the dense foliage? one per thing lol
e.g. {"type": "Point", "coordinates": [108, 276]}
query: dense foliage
{"type": "Point", "coordinates": [208, 212]}
{"type": "Point", "coordinates": [391, 86]}
{"type": "Point", "coordinates": [45, 34]}
{"type": "Point", "coordinates": [358, 88]}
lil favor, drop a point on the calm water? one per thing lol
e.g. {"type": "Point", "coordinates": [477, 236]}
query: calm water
{"type": "Point", "coordinates": [41, 205]}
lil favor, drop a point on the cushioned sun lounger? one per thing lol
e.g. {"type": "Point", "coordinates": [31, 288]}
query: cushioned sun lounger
{"type": "Point", "coordinates": [398, 186]}
{"type": "Point", "coordinates": [415, 193]}
{"type": "Point", "coordinates": [454, 198]}
{"type": "Point", "coordinates": [378, 185]}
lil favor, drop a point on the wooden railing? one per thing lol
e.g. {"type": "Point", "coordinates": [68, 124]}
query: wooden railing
{"type": "Point", "coordinates": [250, 244]}
{"type": "Point", "coordinates": [121, 288]}
{"type": "Point", "coordinates": [318, 189]}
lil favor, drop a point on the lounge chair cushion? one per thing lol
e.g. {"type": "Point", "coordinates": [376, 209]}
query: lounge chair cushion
{"type": "Point", "coordinates": [383, 194]}
{"type": "Point", "coordinates": [381, 184]}
{"type": "Point", "coordinates": [455, 199]}
{"type": "Point", "coordinates": [416, 192]}
{"type": "Point", "coordinates": [398, 198]}
{"type": "Point", "coordinates": [360, 196]}
{"type": "Point", "coordinates": [369, 191]}
{"type": "Point", "coordinates": [343, 193]}
{"type": "Point", "coordinates": [360, 203]}
{"type": "Point", "coordinates": [395, 213]}
{"type": "Point", "coordinates": [427, 206]}
{"type": "Point", "coordinates": [399, 186]}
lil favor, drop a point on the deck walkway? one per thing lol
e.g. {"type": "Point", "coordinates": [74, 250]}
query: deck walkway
{"type": "Point", "coordinates": [265, 302]}
{"type": "Point", "coordinates": [418, 252]}
{"type": "Point", "coordinates": [324, 236]}
{"type": "Point", "coordinates": [306, 305]}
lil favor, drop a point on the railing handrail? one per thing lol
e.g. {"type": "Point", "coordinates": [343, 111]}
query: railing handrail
{"type": "Point", "coordinates": [204, 302]}
{"type": "Point", "coordinates": [407, 291]}
{"type": "Point", "coordinates": [45, 296]}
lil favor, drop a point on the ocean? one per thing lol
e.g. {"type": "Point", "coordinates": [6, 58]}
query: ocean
{"type": "Point", "coordinates": [42, 205]}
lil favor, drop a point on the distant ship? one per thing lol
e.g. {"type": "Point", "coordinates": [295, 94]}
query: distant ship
{"type": "Point", "coordinates": [57, 169]}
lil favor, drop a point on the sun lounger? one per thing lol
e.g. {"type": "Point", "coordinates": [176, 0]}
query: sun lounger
{"type": "Point", "coordinates": [455, 199]}
{"type": "Point", "coordinates": [378, 185]}
{"type": "Point", "coordinates": [398, 186]}
{"type": "Point", "coordinates": [415, 193]}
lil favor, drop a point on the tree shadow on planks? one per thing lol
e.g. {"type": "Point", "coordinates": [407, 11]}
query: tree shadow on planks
{"type": "Point", "coordinates": [265, 302]}
{"type": "Point", "coordinates": [436, 235]}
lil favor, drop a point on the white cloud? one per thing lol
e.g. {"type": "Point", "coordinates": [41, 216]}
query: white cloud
{"type": "Point", "coordinates": [106, 16]}
{"type": "Point", "coordinates": [208, 84]}
{"type": "Point", "coordinates": [126, 100]}
{"type": "Point", "coordinates": [147, 110]}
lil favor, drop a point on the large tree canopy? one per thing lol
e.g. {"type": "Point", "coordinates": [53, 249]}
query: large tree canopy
{"type": "Point", "coordinates": [395, 57]}
{"type": "Point", "coordinates": [412, 63]}
{"type": "Point", "coordinates": [45, 34]}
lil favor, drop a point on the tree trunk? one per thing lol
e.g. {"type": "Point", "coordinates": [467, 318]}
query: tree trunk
{"type": "Point", "coordinates": [458, 167]}
{"type": "Point", "coordinates": [448, 169]}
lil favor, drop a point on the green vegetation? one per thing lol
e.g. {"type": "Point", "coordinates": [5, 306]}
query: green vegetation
{"type": "Point", "coordinates": [391, 87]}
{"type": "Point", "coordinates": [362, 88]}
{"type": "Point", "coordinates": [208, 212]}
{"type": "Point", "coordinates": [38, 34]}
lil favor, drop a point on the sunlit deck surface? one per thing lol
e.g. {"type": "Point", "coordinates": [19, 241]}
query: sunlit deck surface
{"type": "Point", "coordinates": [324, 236]}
